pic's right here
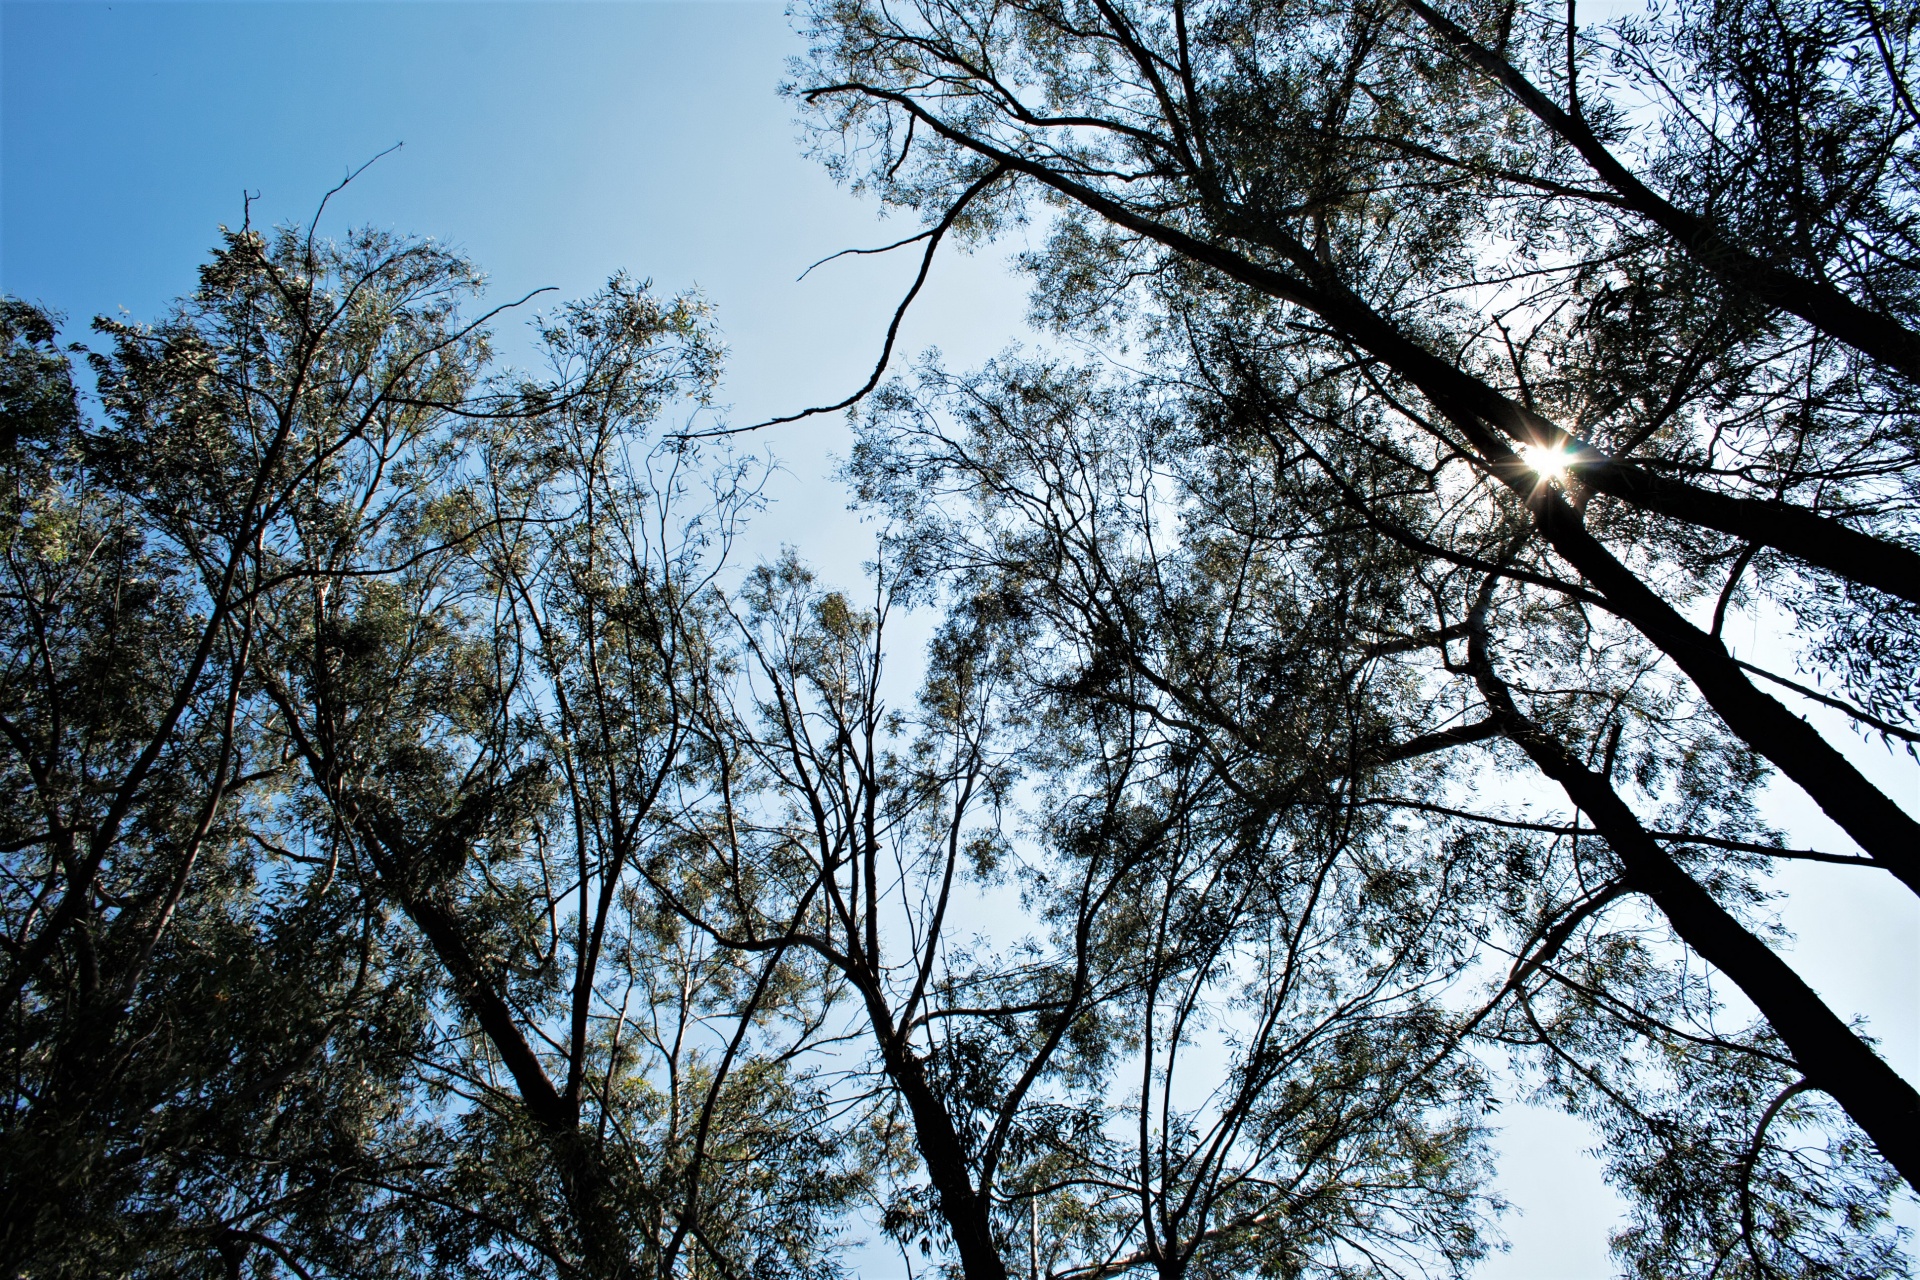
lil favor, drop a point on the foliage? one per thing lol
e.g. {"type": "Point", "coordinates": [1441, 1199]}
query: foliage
{"type": "Point", "coordinates": [429, 855]}
{"type": "Point", "coordinates": [344, 676]}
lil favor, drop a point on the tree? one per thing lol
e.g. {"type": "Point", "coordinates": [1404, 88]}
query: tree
{"type": "Point", "coordinates": [345, 676]}
{"type": "Point", "coordinates": [1072, 1073]}
{"type": "Point", "coordinates": [174, 984]}
{"type": "Point", "coordinates": [1335, 218]}
{"type": "Point", "coordinates": [1171, 548]}
{"type": "Point", "coordinates": [487, 681]}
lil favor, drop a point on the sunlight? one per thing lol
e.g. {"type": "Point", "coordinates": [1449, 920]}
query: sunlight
{"type": "Point", "coordinates": [1549, 462]}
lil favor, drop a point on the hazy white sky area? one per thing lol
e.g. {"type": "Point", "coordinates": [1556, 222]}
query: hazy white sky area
{"type": "Point", "coordinates": [558, 143]}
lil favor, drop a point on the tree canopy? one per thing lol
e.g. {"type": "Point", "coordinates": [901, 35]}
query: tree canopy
{"type": "Point", "coordinates": [435, 850]}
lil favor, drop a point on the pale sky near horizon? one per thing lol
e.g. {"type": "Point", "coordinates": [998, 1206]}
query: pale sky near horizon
{"type": "Point", "coordinates": [557, 143]}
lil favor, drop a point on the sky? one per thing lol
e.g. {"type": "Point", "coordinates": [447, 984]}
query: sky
{"type": "Point", "coordinates": [557, 143]}
{"type": "Point", "coordinates": [553, 143]}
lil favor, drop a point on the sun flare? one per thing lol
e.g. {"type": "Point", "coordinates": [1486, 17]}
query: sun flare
{"type": "Point", "coordinates": [1549, 462]}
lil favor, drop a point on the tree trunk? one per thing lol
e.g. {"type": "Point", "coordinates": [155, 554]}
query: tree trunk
{"type": "Point", "coordinates": [966, 1213]}
{"type": "Point", "coordinates": [1833, 1058]}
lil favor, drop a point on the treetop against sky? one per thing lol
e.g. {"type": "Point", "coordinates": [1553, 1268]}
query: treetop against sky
{"type": "Point", "coordinates": [1382, 570]}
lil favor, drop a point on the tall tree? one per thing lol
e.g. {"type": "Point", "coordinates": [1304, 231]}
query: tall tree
{"type": "Point", "coordinates": [345, 675]}
{"type": "Point", "coordinates": [1385, 256]}
{"type": "Point", "coordinates": [175, 977]}
{"type": "Point", "coordinates": [1043, 1005]}
{"type": "Point", "coordinates": [489, 681]}
{"type": "Point", "coordinates": [1212, 575]}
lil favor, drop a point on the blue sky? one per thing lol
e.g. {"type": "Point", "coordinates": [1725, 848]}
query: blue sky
{"type": "Point", "coordinates": [557, 143]}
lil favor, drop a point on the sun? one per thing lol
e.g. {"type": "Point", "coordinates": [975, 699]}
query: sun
{"type": "Point", "coordinates": [1549, 462]}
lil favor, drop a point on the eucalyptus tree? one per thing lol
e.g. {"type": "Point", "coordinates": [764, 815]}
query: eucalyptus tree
{"type": "Point", "coordinates": [1388, 236]}
{"type": "Point", "coordinates": [825, 838]}
{"type": "Point", "coordinates": [1327, 666]}
{"type": "Point", "coordinates": [1286, 1093]}
{"type": "Point", "coordinates": [487, 680]}
{"type": "Point", "coordinates": [174, 985]}
{"type": "Point", "coordinates": [1127, 1006]}
{"type": "Point", "coordinates": [343, 675]}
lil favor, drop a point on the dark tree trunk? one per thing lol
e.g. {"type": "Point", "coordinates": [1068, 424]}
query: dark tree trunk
{"type": "Point", "coordinates": [965, 1211]}
{"type": "Point", "coordinates": [1818, 303]}
{"type": "Point", "coordinates": [1833, 1058]}
{"type": "Point", "coordinates": [1881, 827]}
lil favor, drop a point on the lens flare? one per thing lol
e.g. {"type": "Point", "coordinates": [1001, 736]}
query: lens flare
{"type": "Point", "coordinates": [1549, 462]}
